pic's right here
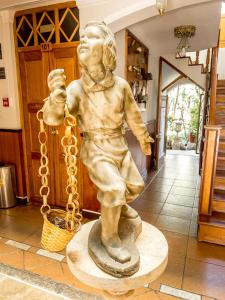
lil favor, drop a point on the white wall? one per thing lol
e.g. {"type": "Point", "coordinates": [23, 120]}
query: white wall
{"type": "Point", "coordinates": [221, 64]}
{"type": "Point", "coordinates": [9, 116]}
{"type": "Point", "coordinates": [168, 74]}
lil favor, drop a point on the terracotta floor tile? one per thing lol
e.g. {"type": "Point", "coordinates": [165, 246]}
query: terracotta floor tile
{"type": "Point", "coordinates": [167, 175]}
{"type": "Point", "coordinates": [18, 229]}
{"type": "Point", "coordinates": [159, 187]}
{"type": "Point", "coordinates": [163, 181]}
{"type": "Point", "coordinates": [179, 211]}
{"type": "Point", "coordinates": [149, 206]}
{"type": "Point", "coordinates": [15, 259]}
{"type": "Point", "coordinates": [205, 279]}
{"type": "Point", "coordinates": [182, 191]}
{"type": "Point", "coordinates": [25, 211]}
{"type": "Point", "coordinates": [193, 231]}
{"type": "Point", "coordinates": [163, 296]}
{"type": "Point", "coordinates": [206, 252]}
{"type": "Point", "coordinates": [207, 298]}
{"type": "Point", "coordinates": [153, 196]}
{"type": "Point", "coordinates": [151, 295]}
{"type": "Point", "coordinates": [33, 260]}
{"type": "Point", "coordinates": [177, 243]}
{"type": "Point", "coordinates": [180, 200]}
{"type": "Point", "coordinates": [184, 183]}
{"type": "Point", "coordinates": [148, 217]}
{"type": "Point", "coordinates": [173, 273]}
{"type": "Point", "coordinates": [194, 216]}
{"type": "Point", "coordinates": [34, 239]}
{"type": "Point", "coordinates": [173, 224]}
{"type": "Point", "coordinates": [69, 278]}
{"type": "Point", "coordinates": [53, 270]}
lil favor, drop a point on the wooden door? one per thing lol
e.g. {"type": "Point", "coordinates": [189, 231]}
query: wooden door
{"type": "Point", "coordinates": [64, 58]}
{"type": "Point", "coordinates": [34, 68]}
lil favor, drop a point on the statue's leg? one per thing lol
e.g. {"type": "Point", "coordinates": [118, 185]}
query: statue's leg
{"type": "Point", "coordinates": [128, 212]}
{"type": "Point", "coordinates": [110, 219]}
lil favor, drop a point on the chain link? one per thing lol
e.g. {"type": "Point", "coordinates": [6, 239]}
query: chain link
{"type": "Point", "coordinates": [43, 170]}
{"type": "Point", "coordinates": [70, 149]}
{"type": "Point", "coordinates": [69, 143]}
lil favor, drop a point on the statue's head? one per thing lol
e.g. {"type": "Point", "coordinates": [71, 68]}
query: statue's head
{"type": "Point", "coordinates": [97, 45]}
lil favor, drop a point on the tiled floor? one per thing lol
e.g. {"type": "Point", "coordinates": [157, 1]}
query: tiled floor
{"type": "Point", "coordinates": [170, 203]}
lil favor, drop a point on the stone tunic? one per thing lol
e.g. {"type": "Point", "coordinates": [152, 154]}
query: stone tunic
{"type": "Point", "coordinates": [101, 110]}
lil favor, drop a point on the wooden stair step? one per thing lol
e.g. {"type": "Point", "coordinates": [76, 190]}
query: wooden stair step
{"type": "Point", "coordinates": [220, 119]}
{"type": "Point", "coordinates": [219, 181]}
{"type": "Point", "coordinates": [213, 230]}
{"type": "Point", "coordinates": [220, 83]}
{"type": "Point", "coordinates": [220, 172]}
{"type": "Point", "coordinates": [222, 133]}
{"type": "Point", "coordinates": [220, 107]}
{"type": "Point", "coordinates": [221, 153]}
{"type": "Point", "coordinates": [220, 98]}
{"type": "Point", "coordinates": [221, 146]}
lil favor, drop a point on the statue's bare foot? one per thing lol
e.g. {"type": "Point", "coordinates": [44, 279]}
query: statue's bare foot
{"type": "Point", "coordinates": [115, 249]}
{"type": "Point", "coordinates": [128, 212]}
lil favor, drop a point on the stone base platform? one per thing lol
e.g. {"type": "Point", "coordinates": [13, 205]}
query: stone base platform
{"type": "Point", "coordinates": [153, 249]}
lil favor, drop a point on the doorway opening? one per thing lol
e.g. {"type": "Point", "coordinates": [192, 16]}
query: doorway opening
{"type": "Point", "coordinates": [183, 124]}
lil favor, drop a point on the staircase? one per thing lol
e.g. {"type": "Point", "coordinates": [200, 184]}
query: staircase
{"type": "Point", "coordinates": [212, 228]}
{"type": "Point", "coordinates": [194, 71]}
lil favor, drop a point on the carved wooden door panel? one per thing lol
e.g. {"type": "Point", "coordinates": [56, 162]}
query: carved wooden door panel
{"type": "Point", "coordinates": [34, 68]}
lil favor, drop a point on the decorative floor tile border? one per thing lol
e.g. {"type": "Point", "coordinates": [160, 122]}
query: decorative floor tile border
{"type": "Point", "coordinates": [179, 293]}
{"type": "Point", "coordinates": [52, 255]}
{"type": "Point", "coordinates": [42, 252]}
{"type": "Point", "coordinates": [18, 245]}
{"type": "Point", "coordinates": [44, 283]}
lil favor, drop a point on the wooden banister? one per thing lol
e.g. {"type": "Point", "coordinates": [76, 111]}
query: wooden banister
{"type": "Point", "coordinates": [211, 144]}
{"type": "Point", "coordinates": [197, 57]}
{"type": "Point", "coordinates": [212, 113]}
{"type": "Point", "coordinates": [207, 61]}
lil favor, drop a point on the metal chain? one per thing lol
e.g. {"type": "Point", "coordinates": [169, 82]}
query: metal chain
{"type": "Point", "coordinates": [43, 170]}
{"type": "Point", "coordinates": [70, 149]}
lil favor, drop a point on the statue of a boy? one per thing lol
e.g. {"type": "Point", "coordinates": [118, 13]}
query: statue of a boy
{"type": "Point", "coordinates": [102, 102]}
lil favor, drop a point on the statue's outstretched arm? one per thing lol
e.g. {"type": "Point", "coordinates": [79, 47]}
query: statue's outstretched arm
{"type": "Point", "coordinates": [54, 107]}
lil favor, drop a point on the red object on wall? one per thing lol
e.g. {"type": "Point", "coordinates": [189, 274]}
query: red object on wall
{"type": "Point", "coordinates": [5, 101]}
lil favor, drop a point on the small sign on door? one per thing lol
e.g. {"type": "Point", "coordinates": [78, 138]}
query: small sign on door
{"type": "Point", "coordinates": [5, 101]}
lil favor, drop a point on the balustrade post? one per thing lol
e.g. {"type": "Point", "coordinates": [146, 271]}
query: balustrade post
{"type": "Point", "coordinates": [212, 113]}
{"type": "Point", "coordinates": [207, 61]}
{"type": "Point", "coordinates": [197, 57]}
{"type": "Point", "coordinates": [211, 144]}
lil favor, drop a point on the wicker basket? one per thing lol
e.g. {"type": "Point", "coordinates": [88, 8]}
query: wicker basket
{"type": "Point", "coordinates": [54, 238]}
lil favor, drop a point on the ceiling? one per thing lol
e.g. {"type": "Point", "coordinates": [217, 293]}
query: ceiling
{"type": "Point", "coordinates": [158, 32]}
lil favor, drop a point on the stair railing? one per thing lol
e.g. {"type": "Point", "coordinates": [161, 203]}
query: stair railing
{"type": "Point", "coordinates": [211, 144]}
{"type": "Point", "coordinates": [213, 87]}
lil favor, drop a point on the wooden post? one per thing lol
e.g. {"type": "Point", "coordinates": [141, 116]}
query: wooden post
{"type": "Point", "coordinates": [212, 113]}
{"type": "Point", "coordinates": [212, 134]}
{"type": "Point", "coordinates": [207, 61]}
{"type": "Point", "coordinates": [197, 58]}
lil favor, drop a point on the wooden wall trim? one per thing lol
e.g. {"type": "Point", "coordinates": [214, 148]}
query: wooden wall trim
{"type": "Point", "coordinates": [12, 153]}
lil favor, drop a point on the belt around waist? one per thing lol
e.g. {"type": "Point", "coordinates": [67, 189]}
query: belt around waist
{"type": "Point", "coordinates": [105, 134]}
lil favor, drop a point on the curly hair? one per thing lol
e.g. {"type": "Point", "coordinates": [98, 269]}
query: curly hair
{"type": "Point", "coordinates": [109, 46]}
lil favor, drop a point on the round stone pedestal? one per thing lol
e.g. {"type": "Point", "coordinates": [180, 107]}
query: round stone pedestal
{"type": "Point", "coordinates": [153, 249]}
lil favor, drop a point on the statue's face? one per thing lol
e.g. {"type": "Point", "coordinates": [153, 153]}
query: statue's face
{"type": "Point", "coordinates": [90, 50]}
